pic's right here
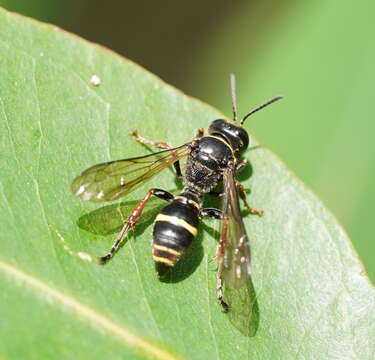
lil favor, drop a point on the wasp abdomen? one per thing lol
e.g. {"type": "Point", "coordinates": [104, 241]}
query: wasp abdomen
{"type": "Point", "coordinates": [175, 228]}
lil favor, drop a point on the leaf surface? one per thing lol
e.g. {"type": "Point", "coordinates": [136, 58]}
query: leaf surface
{"type": "Point", "coordinates": [314, 300]}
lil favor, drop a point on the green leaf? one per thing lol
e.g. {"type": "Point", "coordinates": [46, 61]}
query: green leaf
{"type": "Point", "coordinates": [324, 129]}
{"type": "Point", "coordinates": [313, 298]}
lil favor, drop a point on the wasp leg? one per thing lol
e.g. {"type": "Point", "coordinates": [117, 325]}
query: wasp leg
{"type": "Point", "coordinates": [241, 164]}
{"type": "Point", "coordinates": [211, 212]}
{"type": "Point", "coordinates": [177, 168]}
{"type": "Point", "coordinates": [142, 140]}
{"type": "Point", "coordinates": [219, 293]}
{"type": "Point", "coordinates": [157, 144]}
{"type": "Point", "coordinates": [199, 133]}
{"type": "Point", "coordinates": [133, 218]}
{"type": "Point", "coordinates": [218, 214]}
{"type": "Point", "coordinates": [216, 193]}
{"type": "Point", "coordinates": [242, 194]}
{"type": "Point", "coordinates": [220, 260]}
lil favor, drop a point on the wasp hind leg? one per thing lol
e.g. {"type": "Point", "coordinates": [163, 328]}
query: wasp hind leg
{"type": "Point", "coordinates": [219, 293]}
{"type": "Point", "coordinates": [132, 220]}
{"type": "Point", "coordinates": [218, 214]}
{"type": "Point", "coordinates": [220, 261]}
{"type": "Point", "coordinates": [219, 277]}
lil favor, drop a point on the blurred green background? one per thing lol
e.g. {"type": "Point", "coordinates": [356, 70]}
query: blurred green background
{"type": "Point", "coordinates": [319, 54]}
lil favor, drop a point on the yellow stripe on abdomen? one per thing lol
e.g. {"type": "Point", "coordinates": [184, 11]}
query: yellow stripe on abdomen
{"type": "Point", "coordinates": [164, 260]}
{"type": "Point", "coordinates": [166, 249]}
{"type": "Point", "coordinates": [178, 222]}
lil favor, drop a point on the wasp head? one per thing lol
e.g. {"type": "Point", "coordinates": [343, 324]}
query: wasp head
{"type": "Point", "coordinates": [233, 132]}
{"type": "Point", "coordinates": [235, 135]}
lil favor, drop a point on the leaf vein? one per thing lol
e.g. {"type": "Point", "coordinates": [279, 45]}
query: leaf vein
{"type": "Point", "coordinates": [101, 321]}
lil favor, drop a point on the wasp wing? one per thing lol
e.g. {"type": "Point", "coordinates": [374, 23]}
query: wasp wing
{"type": "Point", "coordinates": [235, 262]}
{"type": "Point", "coordinates": [112, 180]}
{"type": "Point", "coordinates": [235, 267]}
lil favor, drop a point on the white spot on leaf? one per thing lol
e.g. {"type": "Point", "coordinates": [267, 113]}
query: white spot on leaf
{"type": "Point", "coordinates": [84, 256]}
{"type": "Point", "coordinates": [95, 80]}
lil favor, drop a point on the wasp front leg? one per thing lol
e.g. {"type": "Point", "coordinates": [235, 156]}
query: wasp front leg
{"type": "Point", "coordinates": [142, 140]}
{"type": "Point", "coordinates": [199, 133]}
{"type": "Point", "coordinates": [133, 218]}
{"type": "Point", "coordinates": [159, 145]}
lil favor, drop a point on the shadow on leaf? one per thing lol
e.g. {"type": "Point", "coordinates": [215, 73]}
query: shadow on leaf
{"type": "Point", "coordinates": [110, 219]}
{"type": "Point", "coordinates": [188, 263]}
{"type": "Point", "coordinates": [191, 258]}
{"type": "Point", "coordinates": [244, 311]}
{"type": "Point", "coordinates": [245, 173]}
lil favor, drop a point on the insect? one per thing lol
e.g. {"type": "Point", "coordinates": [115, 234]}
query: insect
{"type": "Point", "coordinates": [211, 159]}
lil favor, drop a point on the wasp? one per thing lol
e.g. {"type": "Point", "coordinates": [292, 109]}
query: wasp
{"type": "Point", "coordinates": [211, 159]}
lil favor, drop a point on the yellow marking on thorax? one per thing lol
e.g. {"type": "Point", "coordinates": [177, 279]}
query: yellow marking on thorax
{"type": "Point", "coordinates": [223, 141]}
{"type": "Point", "coordinates": [166, 249]}
{"type": "Point", "coordinates": [178, 222]}
{"type": "Point", "coordinates": [166, 261]}
{"type": "Point", "coordinates": [192, 202]}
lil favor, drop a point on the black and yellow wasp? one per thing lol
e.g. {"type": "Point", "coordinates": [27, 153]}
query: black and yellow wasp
{"type": "Point", "coordinates": [211, 159]}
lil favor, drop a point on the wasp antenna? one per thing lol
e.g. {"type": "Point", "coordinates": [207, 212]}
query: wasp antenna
{"type": "Point", "coordinates": [232, 81]}
{"type": "Point", "coordinates": [269, 102]}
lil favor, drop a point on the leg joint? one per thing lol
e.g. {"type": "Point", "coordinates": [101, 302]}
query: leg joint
{"type": "Point", "coordinates": [211, 212]}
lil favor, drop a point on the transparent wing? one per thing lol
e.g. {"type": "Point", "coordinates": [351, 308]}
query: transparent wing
{"type": "Point", "coordinates": [112, 180]}
{"type": "Point", "coordinates": [235, 269]}
{"type": "Point", "coordinates": [234, 265]}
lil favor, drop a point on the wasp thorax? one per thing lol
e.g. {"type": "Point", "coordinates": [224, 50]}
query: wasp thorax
{"type": "Point", "coordinates": [234, 134]}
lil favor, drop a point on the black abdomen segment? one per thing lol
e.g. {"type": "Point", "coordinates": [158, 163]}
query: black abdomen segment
{"type": "Point", "coordinates": [175, 228]}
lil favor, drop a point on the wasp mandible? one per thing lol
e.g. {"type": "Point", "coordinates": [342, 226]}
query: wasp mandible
{"type": "Point", "coordinates": [211, 159]}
